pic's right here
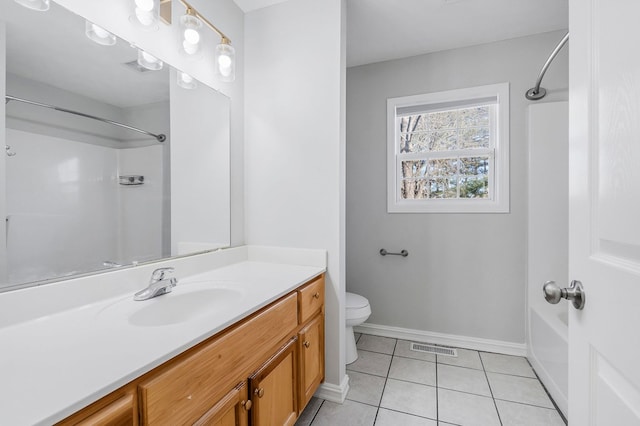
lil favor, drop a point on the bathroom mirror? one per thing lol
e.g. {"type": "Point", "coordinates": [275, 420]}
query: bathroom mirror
{"type": "Point", "coordinates": [82, 195]}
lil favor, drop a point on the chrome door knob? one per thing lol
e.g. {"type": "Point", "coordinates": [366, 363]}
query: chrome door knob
{"type": "Point", "coordinates": [574, 293]}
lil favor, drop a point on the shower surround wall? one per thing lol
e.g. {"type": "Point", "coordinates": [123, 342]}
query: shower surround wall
{"type": "Point", "coordinates": [547, 343]}
{"type": "Point", "coordinates": [464, 279]}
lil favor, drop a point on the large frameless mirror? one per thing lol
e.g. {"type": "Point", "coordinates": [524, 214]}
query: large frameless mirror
{"type": "Point", "coordinates": [107, 163]}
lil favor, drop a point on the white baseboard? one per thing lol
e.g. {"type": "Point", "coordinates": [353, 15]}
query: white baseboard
{"type": "Point", "coordinates": [334, 393]}
{"type": "Point", "coordinates": [486, 345]}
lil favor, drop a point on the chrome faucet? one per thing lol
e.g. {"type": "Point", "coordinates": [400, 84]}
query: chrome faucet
{"type": "Point", "coordinates": [158, 285]}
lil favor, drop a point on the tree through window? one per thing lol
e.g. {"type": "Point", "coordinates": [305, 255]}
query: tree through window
{"type": "Point", "coordinates": [447, 146]}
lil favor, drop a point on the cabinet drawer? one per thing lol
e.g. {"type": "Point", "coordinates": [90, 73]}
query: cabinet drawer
{"type": "Point", "coordinates": [119, 412]}
{"type": "Point", "coordinates": [182, 393]}
{"type": "Point", "coordinates": [311, 298]}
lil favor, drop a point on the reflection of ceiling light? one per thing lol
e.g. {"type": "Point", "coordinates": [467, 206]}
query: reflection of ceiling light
{"type": "Point", "coordinates": [41, 5]}
{"type": "Point", "coordinates": [149, 61]}
{"type": "Point", "coordinates": [186, 81]}
{"type": "Point", "coordinates": [99, 34]}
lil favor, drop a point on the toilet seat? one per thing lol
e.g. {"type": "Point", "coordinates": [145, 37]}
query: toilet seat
{"type": "Point", "coordinates": [353, 300]}
{"type": "Point", "coordinates": [357, 306]}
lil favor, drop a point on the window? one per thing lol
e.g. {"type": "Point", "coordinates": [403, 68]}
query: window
{"type": "Point", "coordinates": [448, 152]}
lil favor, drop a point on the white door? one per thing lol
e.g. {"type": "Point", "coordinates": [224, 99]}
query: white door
{"type": "Point", "coordinates": [604, 211]}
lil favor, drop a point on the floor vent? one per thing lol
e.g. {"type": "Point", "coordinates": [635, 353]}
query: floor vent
{"type": "Point", "coordinates": [432, 349]}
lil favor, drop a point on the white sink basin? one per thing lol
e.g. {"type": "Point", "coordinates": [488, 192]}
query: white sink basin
{"type": "Point", "coordinates": [184, 303]}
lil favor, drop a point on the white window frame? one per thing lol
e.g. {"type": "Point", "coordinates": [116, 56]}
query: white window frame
{"type": "Point", "coordinates": [498, 201]}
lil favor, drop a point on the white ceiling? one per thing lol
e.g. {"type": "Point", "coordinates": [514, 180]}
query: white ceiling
{"type": "Point", "coordinates": [52, 48]}
{"type": "Point", "coordinates": [380, 30]}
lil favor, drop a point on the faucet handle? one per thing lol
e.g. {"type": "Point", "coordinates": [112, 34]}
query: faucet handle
{"type": "Point", "coordinates": [158, 274]}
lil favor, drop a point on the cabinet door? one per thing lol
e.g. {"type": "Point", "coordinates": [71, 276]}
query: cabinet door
{"type": "Point", "coordinates": [274, 389]}
{"type": "Point", "coordinates": [231, 410]}
{"type": "Point", "coordinates": [311, 341]}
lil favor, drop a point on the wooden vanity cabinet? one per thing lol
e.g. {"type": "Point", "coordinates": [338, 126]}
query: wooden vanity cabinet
{"type": "Point", "coordinates": [310, 339]}
{"type": "Point", "coordinates": [274, 389]}
{"type": "Point", "coordinates": [265, 368]}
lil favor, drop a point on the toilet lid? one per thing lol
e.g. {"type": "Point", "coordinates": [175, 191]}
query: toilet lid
{"type": "Point", "coordinates": [355, 301]}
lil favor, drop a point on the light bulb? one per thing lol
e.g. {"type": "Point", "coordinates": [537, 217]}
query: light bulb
{"type": "Point", "coordinates": [100, 32]}
{"type": "Point", "coordinates": [144, 17]}
{"type": "Point", "coordinates": [145, 5]}
{"type": "Point", "coordinates": [189, 49]}
{"type": "Point", "coordinates": [190, 25]}
{"type": "Point", "coordinates": [225, 61]}
{"type": "Point", "coordinates": [186, 81]}
{"type": "Point", "coordinates": [146, 14]}
{"type": "Point", "coordinates": [149, 61]}
{"type": "Point", "coordinates": [149, 58]}
{"type": "Point", "coordinates": [192, 36]}
{"type": "Point", "coordinates": [99, 35]}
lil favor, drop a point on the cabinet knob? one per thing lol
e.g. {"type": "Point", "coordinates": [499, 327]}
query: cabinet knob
{"type": "Point", "coordinates": [306, 344]}
{"type": "Point", "coordinates": [247, 405]}
{"type": "Point", "coordinates": [259, 392]}
{"type": "Point", "coordinates": [316, 295]}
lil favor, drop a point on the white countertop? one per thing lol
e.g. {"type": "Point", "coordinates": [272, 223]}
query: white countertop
{"type": "Point", "coordinates": [53, 365]}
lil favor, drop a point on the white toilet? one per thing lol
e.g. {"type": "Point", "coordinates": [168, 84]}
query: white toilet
{"type": "Point", "coordinates": [358, 310]}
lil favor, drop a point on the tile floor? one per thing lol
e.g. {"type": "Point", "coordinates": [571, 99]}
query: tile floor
{"type": "Point", "coordinates": [390, 385]}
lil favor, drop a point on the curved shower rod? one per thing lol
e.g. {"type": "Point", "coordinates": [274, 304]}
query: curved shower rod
{"type": "Point", "coordinates": [160, 138]}
{"type": "Point", "coordinates": [538, 92]}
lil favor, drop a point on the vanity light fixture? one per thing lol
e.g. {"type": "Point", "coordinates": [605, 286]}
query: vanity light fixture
{"type": "Point", "coordinates": [40, 5]}
{"type": "Point", "coordinates": [225, 54]}
{"type": "Point", "coordinates": [146, 13]}
{"type": "Point", "coordinates": [186, 81]}
{"type": "Point", "coordinates": [148, 61]}
{"type": "Point", "coordinates": [190, 28]}
{"type": "Point", "coordinates": [99, 35]}
{"type": "Point", "coordinates": [225, 61]}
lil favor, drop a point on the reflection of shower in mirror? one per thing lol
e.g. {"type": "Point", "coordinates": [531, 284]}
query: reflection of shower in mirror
{"type": "Point", "coordinates": [69, 138]}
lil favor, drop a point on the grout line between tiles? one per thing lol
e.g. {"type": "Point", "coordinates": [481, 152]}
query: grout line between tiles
{"type": "Point", "coordinates": [437, 394]}
{"type": "Point", "coordinates": [529, 405]}
{"type": "Point", "coordinates": [386, 379]}
{"type": "Point", "coordinates": [414, 415]}
{"type": "Point", "coordinates": [490, 390]}
{"type": "Point", "coordinates": [313, 419]}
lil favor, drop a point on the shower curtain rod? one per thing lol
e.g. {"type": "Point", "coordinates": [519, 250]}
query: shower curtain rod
{"type": "Point", "coordinates": [160, 138]}
{"type": "Point", "coordinates": [538, 92]}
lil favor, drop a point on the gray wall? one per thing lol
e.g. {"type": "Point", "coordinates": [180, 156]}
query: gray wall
{"type": "Point", "coordinates": [465, 274]}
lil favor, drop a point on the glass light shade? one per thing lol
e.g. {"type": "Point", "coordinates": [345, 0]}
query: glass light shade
{"type": "Point", "coordinates": [40, 5]}
{"type": "Point", "coordinates": [99, 35]}
{"type": "Point", "coordinates": [186, 81]}
{"type": "Point", "coordinates": [146, 14]}
{"type": "Point", "coordinates": [145, 5]}
{"type": "Point", "coordinates": [149, 61]}
{"type": "Point", "coordinates": [190, 28]}
{"type": "Point", "coordinates": [225, 58]}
